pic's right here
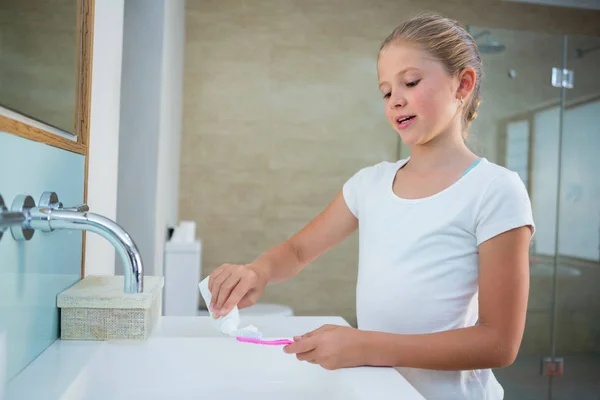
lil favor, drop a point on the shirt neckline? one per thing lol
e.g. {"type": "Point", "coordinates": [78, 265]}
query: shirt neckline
{"type": "Point", "coordinates": [465, 176]}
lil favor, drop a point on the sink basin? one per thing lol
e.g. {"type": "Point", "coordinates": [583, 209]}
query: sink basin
{"type": "Point", "coordinates": [213, 369]}
{"type": "Point", "coordinates": [193, 368]}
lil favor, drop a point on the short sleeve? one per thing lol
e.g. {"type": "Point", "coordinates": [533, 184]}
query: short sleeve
{"type": "Point", "coordinates": [356, 188]}
{"type": "Point", "coordinates": [352, 191]}
{"type": "Point", "coordinates": [504, 206]}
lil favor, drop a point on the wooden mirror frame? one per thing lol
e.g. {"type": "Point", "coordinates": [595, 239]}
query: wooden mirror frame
{"type": "Point", "coordinates": [81, 113]}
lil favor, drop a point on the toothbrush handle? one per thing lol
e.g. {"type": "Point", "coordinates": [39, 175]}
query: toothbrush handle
{"type": "Point", "coordinates": [267, 342]}
{"type": "Point", "coordinates": [281, 341]}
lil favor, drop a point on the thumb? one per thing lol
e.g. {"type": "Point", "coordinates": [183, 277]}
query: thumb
{"type": "Point", "coordinates": [247, 301]}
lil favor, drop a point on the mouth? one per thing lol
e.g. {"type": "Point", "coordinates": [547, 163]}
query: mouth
{"type": "Point", "coordinates": [404, 121]}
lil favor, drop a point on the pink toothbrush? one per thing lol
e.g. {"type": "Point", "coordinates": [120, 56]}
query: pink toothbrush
{"type": "Point", "coordinates": [266, 342]}
{"type": "Point", "coordinates": [252, 335]}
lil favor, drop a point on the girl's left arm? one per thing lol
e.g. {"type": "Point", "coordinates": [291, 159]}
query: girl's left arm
{"type": "Point", "coordinates": [494, 342]}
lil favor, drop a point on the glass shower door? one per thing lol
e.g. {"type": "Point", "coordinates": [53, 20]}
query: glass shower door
{"type": "Point", "coordinates": [576, 313]}
{"type": "Point", "coordinates": [516, 129]}
{"type": "Point", "coordinates": [540, 117]}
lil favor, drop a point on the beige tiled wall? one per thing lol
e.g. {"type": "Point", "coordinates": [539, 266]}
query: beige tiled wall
{"type": "Point", "coordinates": [281, 107]}
{"type": "Point", "coordinates": [38, 59]}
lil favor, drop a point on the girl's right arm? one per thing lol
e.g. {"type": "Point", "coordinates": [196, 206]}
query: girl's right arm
{"type": "Point", "coordinates": [242, 285]}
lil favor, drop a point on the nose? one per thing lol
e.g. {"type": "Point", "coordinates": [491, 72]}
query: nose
{"type": "Point", "coordinates": [397, 100]}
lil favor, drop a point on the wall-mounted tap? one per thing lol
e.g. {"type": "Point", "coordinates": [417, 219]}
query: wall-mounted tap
{"type": "Point", "coordinates": [9, 218]}
{"type": "Point", "coordinates": [25, 217]}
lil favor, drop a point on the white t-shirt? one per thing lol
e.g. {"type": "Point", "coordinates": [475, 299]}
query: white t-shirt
{"type": "Point", "coordinates": [418, 260]}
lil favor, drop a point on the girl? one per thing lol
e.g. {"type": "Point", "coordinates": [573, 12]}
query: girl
{"type": "Point", "coordinates": [444, 235]}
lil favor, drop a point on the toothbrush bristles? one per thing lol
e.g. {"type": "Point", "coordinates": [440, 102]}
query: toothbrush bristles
{"type": "Point", "coordinates": [249, 334]}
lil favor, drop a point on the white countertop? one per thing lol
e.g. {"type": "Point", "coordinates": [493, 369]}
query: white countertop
{"type": "Point", "coordinates": [187, 358]}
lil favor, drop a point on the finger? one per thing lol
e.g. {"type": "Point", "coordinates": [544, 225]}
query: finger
{"type": "Point", "coordinates": [214, 275]}
{"type": "Point", "coordinates": [307, 356]}
{"type": "Point", "coordinates": [328, 365]}
{"type": "Point", "coordinates": [248, 300]}
{"type": "Point", "coordinates": [301, 346]}
{"type": "Point", "coordinates": [238, 292]}
{"type": "Point", "coordinates": [219, 280]}
{"type": "Point", "coordinates": [225, 291]}
{"type": "Point", "coordinates": [307, 340]}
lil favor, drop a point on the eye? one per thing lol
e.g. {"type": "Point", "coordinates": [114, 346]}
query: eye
{"type": "Point", "coordinates": [387, 95]}
{"type": "Point", "coordinates": [413, 84]}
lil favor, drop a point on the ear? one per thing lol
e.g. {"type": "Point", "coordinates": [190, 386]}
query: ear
{"type": "Point", "coordinates": [466, 83]}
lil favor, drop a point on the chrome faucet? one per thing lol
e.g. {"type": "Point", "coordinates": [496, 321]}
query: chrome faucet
{"type": "Point", "coordinates": [25, 217]}
{"type": "Point", "coordinates": [9, 218]}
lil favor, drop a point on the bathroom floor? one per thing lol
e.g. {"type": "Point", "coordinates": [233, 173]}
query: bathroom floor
{"type": "Point", "coordinates": [581, 379]}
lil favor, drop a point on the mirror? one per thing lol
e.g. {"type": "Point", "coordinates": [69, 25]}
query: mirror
{"type": "Point", "coordinates": [39, 60]}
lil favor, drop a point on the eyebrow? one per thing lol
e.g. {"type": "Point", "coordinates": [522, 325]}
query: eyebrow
{"type": "Point", "coordinates": [405, 70]}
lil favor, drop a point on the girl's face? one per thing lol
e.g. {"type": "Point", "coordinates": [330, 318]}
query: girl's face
{"type": "Point", "coordinates": [420, 97]}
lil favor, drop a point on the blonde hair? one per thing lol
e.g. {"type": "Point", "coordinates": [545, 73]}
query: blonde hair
{"type": "Point", "coordinates": [448, 42]}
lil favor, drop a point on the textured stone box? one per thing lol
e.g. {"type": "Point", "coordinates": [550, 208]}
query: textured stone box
{"type": "Point", "coordinates": [97, 308]}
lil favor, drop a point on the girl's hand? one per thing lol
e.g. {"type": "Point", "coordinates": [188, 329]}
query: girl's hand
{"type": "Point", "coordinates": [331, 347]}
{"type": "Point", "coordinates": [233, 284]}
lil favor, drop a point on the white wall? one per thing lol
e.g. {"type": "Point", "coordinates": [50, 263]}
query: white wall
{"type": "Point", "coordinates": [150, 125]}
{"type": "Point", "coordinates": [171, 110]}
{"type": "Point", "coordinates": [140, 115]}
{"type": "Point", "coordinates": [104, 129]}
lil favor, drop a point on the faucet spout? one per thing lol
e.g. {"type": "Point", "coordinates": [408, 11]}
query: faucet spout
{"type": "Point", "coordinates": [50, 215]}
{"type": "Point", "coordinates": [108, 229]}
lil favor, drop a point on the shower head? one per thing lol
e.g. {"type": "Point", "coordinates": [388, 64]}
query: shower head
{"type": "Point", "coordinates": [480, 34]}
{"type": "Point", "coordinates": [489, 47]}
{"type": "Point", "coordinates": [581, 52]}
